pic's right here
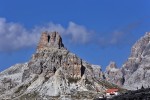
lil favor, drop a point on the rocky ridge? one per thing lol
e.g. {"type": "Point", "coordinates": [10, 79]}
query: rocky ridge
{"type": "Point", "coordinates": [135, 72]}
{"type": "Point", "coordinates": [113, 74]}
{"type": "Point", "coordinates": [53, 73]}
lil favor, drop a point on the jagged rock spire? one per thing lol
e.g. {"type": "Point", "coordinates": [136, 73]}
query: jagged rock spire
{"type": "Point", "coordinates": [50, 40]}
{"type": "Point", "coordinates": [114, 74]}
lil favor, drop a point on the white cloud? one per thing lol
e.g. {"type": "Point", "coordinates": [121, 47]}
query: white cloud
{"type": "Point", "coordinates": [117, 38]}
{"type": "Point", "coordinates": [14, 36]}
{"type": "Point", "coordinates": [122, 35]}
{"type": "Point", "coordinates": [79, 33]}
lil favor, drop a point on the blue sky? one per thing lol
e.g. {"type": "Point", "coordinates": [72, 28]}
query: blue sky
{"type": "Point", "coordinates": [98, 31]}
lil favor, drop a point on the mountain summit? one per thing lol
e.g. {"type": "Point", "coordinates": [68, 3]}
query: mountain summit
{"type": "Point", "coordinates": [50, 40]}
{"type": "Point", "coordinates": [53, 73]}
{"type": "Point", "coordinates": [135, 72]}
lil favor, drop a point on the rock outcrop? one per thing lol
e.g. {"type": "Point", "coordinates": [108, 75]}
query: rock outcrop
{"type": "Point", "coordinates": [98, 71]}
{"type": "Point", "coordinates": [52, 40]}
{"type": "Point", "coordinates": [53, 73]}
{"type": "Point", "coordinates": [137, 69]}
{"type": "Point", "coordinates": [113, 74]}
{"type": "Point", "coordinates": [135, 72]}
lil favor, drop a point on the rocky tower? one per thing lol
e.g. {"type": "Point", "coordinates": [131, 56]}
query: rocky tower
{"type": "Point", "coordinates": [51, 48]}
{"type": "Point", "coordinates": [53, 73]}
{"type": "Point", "coordinates": [50, 40]}
{"type": "Point", "coordinates": [113, 74]}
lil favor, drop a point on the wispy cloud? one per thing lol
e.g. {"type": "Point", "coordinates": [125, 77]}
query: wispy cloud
{"type": "Point", "coordinates": [15, 36]}
{"type": "Point", "coordinates": [115, 38]}
{"type": "Point", "coordinates": [120, 36]}
{"type": "Point", "coordinates": [79, 33]}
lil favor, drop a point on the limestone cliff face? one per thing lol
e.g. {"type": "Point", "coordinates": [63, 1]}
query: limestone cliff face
{"type": "Point", "coordinates": [52, 40]}
{"type": "Point", "coordinates": [52, 73]}
{"type": "Point", "coordinates": [135, 72]}
{"type": "Point", "coordinates": [135, 58]}
{"type": "Point", "coordinates": [136, 69]}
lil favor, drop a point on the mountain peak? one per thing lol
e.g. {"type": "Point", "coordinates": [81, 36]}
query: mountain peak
{"type": "Point", "coordinates": [112, 65]}
{"type": "Point", "coordinates": [50, 40]}
{"type": "Point", "coordinates": [52, 73]}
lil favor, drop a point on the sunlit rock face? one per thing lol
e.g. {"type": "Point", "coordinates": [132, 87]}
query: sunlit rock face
{"type": "Point", "coordinates": [137, 68]}
{"type": "Point", "coordinates": [50, 40]}
{"type": "Point", "coordinates": [98, 71]}
{"type": "Point", "coordinates": [135, 72]}
{"type": "Point", "coordinates": [51, 55]}
{"type": "Point", "coordinates": [114, 74]}
{"type": "Point", "coordinates": [53, 73]}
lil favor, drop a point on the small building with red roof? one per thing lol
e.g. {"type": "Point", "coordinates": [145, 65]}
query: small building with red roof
{"type": "Point", "coordinates": [112, 92]}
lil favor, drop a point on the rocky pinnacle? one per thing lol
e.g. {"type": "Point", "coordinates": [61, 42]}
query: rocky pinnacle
{"type": "Point", "coordinates": [50, 40]}
{"type": "Point", "coordinates": [53, 73]}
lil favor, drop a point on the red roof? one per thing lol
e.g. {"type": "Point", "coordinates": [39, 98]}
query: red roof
{"type": "Point", "coordinates": [111, 90]}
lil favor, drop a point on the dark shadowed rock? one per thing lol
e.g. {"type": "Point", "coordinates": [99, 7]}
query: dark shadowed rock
{"type": "Point", "coordinates": [141, 94]}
